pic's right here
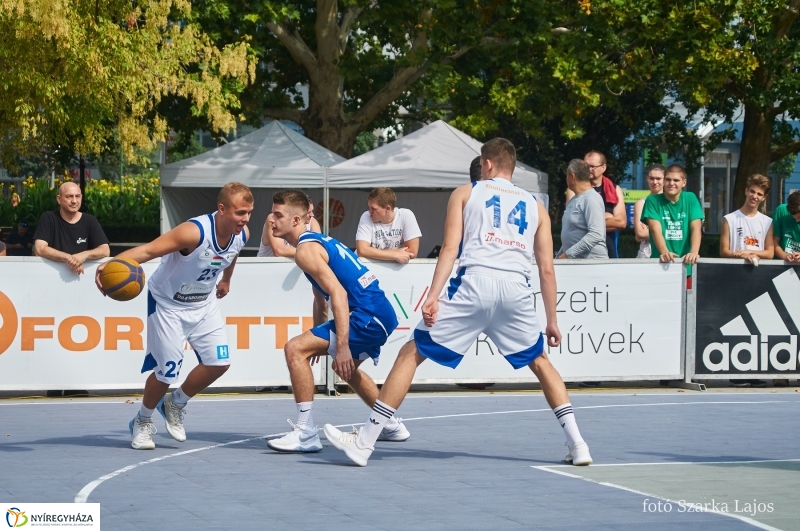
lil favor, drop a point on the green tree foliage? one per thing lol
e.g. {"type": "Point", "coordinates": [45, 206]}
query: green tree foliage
{"type": "Point", "coordinates": [75, 71]}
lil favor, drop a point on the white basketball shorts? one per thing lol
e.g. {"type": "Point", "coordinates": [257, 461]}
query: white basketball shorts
{"type": "Point", "coordinates": [169, 330]}
{"type": "Point", "coordinates": [482, 300]}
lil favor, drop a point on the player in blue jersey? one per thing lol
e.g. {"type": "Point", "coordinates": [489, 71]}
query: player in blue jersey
{"type": "Point", "coordinates": [363, 319]}
{"type": "Point", "coordinates": [494, 229]}
{"type": "Point", "coordinates": [198, 257]}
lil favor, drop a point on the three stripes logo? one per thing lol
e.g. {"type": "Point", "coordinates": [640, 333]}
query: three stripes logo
{"type": "Point", "coordinates": [759, 339]}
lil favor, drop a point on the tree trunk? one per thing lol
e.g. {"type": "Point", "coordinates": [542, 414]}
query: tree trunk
{"type": "Point", "coordinates": [755, 150]}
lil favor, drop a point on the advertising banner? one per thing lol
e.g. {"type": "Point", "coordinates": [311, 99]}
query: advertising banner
{"type": "Point", "coordinates": [747, 320]}
{"type": "Point", "coordinates": [620, 320]}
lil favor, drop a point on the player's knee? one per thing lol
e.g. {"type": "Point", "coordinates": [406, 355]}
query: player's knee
{"type": "Point", "coordinates": [293, 352]}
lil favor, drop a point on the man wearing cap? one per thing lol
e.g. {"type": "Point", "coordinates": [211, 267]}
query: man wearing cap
{"type": "Point", "coordinates": [20, 241]}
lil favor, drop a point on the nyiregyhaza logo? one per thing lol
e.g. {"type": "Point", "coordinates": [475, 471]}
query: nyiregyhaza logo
{"type": "Point", "coordinates": [768, 323]}
{"type": "Point", "coordinates": [15, 517]}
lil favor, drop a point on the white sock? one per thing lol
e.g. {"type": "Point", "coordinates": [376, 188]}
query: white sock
{"type": "Point", "coordinates": [392, 423]}
{"type": "Point", "coordinates": [378, 418]}
{"type": "Point", "coordinates": [145, 412]}
{"type": "Point", "coordinates": [305, 417]}
{"type": "Point", "coordinates": [566, 418]}
{"type": "Point", "coordinates": [179, 398]}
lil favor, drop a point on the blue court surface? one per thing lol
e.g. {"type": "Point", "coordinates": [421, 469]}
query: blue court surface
{"type": "Point", "coordinates": [664, 459]}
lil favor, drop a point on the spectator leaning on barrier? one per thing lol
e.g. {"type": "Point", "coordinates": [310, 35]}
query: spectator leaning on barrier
{"type": "Point", "coordinates": [613, 200]}
{"type": "Point", "coordinates": [746, 232]}
{"type": "Point", "coordinates": [655, 181]}
{"type": "Point", "coordinates": [68, 235]}
{"type": "Point", "coordinates": [385, 232]}
{"type": "Point", "coordinates": [675, 219]}
{"type": "Point", "coordinates": [583, 226]}
{"type": "Point", "coordinates": [786, 229]}
{"type": "Point", "coordinates": [20, 242]}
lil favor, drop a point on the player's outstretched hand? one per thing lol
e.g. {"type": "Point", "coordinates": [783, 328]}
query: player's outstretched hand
{"type": "Point", "coordinates": [429, 310]}
{"type": "Point", "coordinates": [223, 288]}
{"type": "Point", "coordinates": [343, 364]}
{"type": "Point", "coordinates": [553, 335]}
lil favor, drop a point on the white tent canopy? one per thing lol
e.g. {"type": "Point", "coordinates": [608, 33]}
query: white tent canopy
{"type": "Point", "coordinates": [423, 168]}
{"type": "Point", "coordinates": [436, 156]}
{"type": "Point", "coordinates": [268, 159]}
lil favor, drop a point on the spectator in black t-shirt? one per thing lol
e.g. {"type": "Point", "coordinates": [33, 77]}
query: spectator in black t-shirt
{"type": "Point", "coordinates": [20, 242]}
{"type": "Point", "coordinates": [68, 235]}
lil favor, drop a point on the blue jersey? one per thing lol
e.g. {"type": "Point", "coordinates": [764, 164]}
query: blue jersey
{"type": "Point", "coordinates": [363, 292]}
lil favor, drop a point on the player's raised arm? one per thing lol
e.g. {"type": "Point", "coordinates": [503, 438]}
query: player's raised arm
{"type": "Point", "coordinates": [453, 233]}
{"type": "Point", "coordinates": [312, 259]}
{"type": "Point", "coordinates": [184, 238]}
{"type": "Point", "coordinates": [543, 253]}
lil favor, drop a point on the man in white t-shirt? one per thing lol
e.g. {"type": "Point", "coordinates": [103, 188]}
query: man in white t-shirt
{"type": "Point", "coordinates": [746, 232]}
{"type": "Point", "coordinates": [386, 232]}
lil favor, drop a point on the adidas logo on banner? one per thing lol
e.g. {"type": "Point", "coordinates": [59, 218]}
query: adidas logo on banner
{"type": "Point", "coordinates": [768, 323]}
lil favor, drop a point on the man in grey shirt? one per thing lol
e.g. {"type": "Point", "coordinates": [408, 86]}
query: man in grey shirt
{"type": "Point", "coordinates": [583, 226]}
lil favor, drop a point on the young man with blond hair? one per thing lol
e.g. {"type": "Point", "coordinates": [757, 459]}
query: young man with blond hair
{"type": "Point", "coordinates": [198, 257]}
{"type": "Point", "coordinates": [499, 228]}
{"type": "Point", "coordinates": [386, 232]}
{"type": "Point", "coordinates": [363, 319]}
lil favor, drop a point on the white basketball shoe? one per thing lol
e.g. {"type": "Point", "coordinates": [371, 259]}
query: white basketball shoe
{"type": "Point", "coordinates": [348, 443]}
{"type": "Point", "coordinates": [142, 430]}
{"type": "Point", "coordinates": [395, 432]}
{"type": "Point", "coordinates": [173, 416]}
{"type": "Point", "coordinates": [579, 455]}
{"type": "Point", "coordinates": [302, 439]}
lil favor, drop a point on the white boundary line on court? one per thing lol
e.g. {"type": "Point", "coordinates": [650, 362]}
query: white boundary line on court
{"type": "Point", "coordinates": [497, 394]}
{"type": "Point", "coordinates": [84, 493]}
{"type": "Point", "coordinates": [756, 523]}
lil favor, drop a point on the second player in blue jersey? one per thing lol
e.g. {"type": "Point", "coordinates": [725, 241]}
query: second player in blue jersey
{"type": "Point", "coordinates": [363, 319]}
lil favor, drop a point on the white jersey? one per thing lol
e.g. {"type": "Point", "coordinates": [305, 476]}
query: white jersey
{"type": "Point", "coordinates": [181, 282]}
{"type": "Point", "coordinates": [500, 220]}
{"type": "Point", "coordinates": [747, 233]}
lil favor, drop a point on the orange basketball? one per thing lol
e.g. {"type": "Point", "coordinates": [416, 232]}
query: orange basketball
{"type": "Point", "coordinates": [122, 279]}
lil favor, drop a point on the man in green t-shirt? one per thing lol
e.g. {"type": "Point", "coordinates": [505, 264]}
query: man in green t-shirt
{"type": "Point", "coordinates": [675, 219]}
{"type": "Point", "coordinates": [786, 229]}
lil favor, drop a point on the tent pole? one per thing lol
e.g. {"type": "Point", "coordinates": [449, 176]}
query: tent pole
{"type": "Point", "coordinates": [326, 207]}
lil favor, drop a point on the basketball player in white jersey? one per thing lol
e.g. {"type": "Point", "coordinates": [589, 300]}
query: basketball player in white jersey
{"type": "Point", "coordinates": [494, 222]}
{"type": "Point", "coordinates": [198, 257]}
